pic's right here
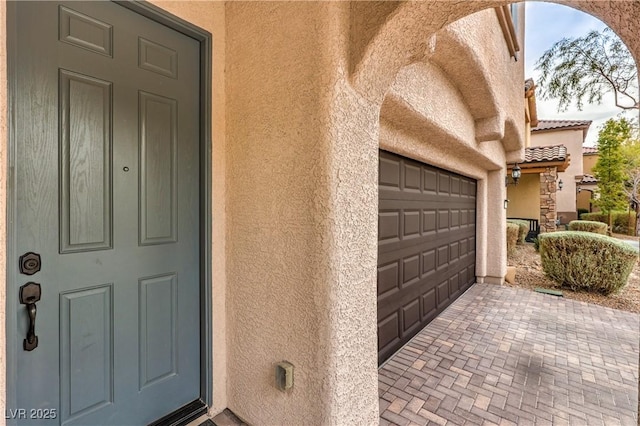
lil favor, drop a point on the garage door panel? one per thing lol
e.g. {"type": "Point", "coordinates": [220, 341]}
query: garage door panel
{"type": "Point", "coordinates": [426, 250]}
{"type": "Point", "coordinates": [415, 198]}
{"type": "Point", "coordinates": [395, 300]}
{"type": "Point", "coordinates": [404, 201]}
{"type": "Point", "coordinates": [429, 222]}
{"type": "Point", "coordinates": [429, 305]}
{"type": "Point", "coordinates": [443, 219]}
{"type": "Point", "coordinates": [388, 331]}
{"type": "Point", "coordinates": [454, 284]}
{"type": "Point", "coordinates": [430, 181]}
{"type": "Point", "coordinates": [455, 186]}
{"type": "Point", "coordinates": [425, 241]}
{"type": "Point", "coordinates": [442, 292]}
{"type": "Point", "coordinates": [454, 252]}
{"type": "Point", "coordinates": [443, 184]}
{"type": "Point", "coordinates": [410, 270]}
{"type": "Point", "coordinates": [411, 178]}
{"type": "Point", "coordinates": [388, 277]}
{"type": "Point", "coordinates": [411, 224]}
{"type": "Point", "coordinates": [428, 262]}
{"type": "Point", "coordinates": [455, 218]}
{"type": "Point", "coordinates": [443, 256]}
{"type": "Point", "coordinates": [389, 173]}
{"type": "Point", "coordinates": [388, 226]}
{"type": "Point", "coordinates": [410, 316]}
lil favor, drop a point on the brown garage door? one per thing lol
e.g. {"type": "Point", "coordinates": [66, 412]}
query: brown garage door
{"type": "Point", "coordinates": [426, 246]}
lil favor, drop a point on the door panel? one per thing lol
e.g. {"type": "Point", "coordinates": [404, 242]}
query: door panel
{"type": "Point", "coordinates": [107, 183]}
{"type": "Point", "coordinates": [158, 178]}
{"type": "Point", "coordinates": [85, 163]}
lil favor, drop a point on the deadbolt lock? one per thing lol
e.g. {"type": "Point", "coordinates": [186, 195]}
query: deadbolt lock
{"type": "Point", "coordinates": [30, 263]}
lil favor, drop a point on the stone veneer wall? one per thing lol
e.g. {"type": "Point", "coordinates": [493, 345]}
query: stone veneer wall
{"type": "Point", "coordinates": [548, 210]}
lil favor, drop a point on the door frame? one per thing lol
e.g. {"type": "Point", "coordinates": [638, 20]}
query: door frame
{"type": "Point", "coordinates": [204, 38]}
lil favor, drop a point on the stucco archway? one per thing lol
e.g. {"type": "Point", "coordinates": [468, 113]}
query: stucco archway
{"type": "Point", "coordinates": [386, 41]}
{"type": "Point", "coordinates": [404, 34]}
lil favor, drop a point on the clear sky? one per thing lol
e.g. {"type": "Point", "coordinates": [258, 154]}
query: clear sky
{"type": "Point", "coordinates": [547, 23]}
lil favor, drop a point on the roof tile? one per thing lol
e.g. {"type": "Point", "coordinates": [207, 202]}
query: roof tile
{"type": "Point", "coordinates": [545, 153]}
{"type": "Point", "coordinates": [560, 124]}
{"type": "Point", "coordinates": [589, 150]}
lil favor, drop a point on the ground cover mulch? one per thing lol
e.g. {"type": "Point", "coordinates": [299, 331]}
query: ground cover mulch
{"type": "Point", "coordinates": [529, 275]}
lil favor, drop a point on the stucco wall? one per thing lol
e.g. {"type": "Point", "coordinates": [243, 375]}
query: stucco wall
{"type": "Point", "coordinates": [524, 199]}
{"type": "Point", "coordinates": [585, 197]}
{"type": "Point", "coordinates": [302, 194]}
{"type": "Point", "coordinates": [588, 162]}
{"type": "Point", "coordinates": [288, 292]}
{"type": "Point", "coordinates": [572, 139]}
{"type": "Point", "coordinates": [584, 200]}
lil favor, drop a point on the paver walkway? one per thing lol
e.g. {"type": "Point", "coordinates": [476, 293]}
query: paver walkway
{"type": "Point", "coordinates": [501, 355]}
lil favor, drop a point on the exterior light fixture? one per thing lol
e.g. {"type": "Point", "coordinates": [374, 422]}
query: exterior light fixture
{"type": "Point", "coordinates": [516, 172]}
{"type": "Point", "coordinates": [560, 185]}
{"type": "Point", "coordinates": [578, 189]}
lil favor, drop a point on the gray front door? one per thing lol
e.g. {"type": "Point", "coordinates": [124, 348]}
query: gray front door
{"type": "Point", "coordinates": [107, 193]}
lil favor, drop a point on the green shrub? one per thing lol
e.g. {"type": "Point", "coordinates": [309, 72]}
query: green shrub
{"type": "Point", "coordinates": [581, 212]}
{"type": "Point", "coordinates": [586, 261]}
{"type": "Point", "coordinates": [512, 238]}
{"type": "Point", "coordinates": [536, 244]}
{"type": "Point", "coordinates": [619, 219]}
{"type": "Point", "coordinates": [523, 230]}
{"type": "Point", "coordinates": [588, 226]}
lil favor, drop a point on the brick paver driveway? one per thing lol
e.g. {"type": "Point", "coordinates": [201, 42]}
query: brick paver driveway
{"type": "Point", "coordinates": [509, 356]}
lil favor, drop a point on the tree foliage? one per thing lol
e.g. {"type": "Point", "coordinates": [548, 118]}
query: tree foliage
{"type": "Point", "coordinates": [609, 169]}
{"type": "Point", "coordinates": [631, 165]}
{"type": "Point", "coordinates": [585, 68]}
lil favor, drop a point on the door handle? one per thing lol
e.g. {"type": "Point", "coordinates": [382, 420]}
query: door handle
{"type": "Point", "coordinates": [29, 294]}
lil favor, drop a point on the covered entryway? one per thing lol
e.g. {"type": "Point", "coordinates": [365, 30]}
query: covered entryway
{"type": "Point", "coordinates": [426, 246]}
{"type": "Point", "coordinates": [107, 190]}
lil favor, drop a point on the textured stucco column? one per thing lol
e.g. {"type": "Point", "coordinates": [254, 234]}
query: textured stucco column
{"type": "Point", "coordinates": [494, 253]}
{"type": "Point", "coordinates": [302, 215]}
{"type": "Point", "coordinates": [482, 211]}
{"type": "Point", "coordinates": [548, 208]}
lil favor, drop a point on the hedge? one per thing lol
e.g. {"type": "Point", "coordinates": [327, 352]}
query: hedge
{"type": "Point", "coordinates": [523, 229]}
{"type": "Point", "coordinates": [588, 226]}
{"type": "Point", "coordinates": [587, 261]}
{"type": "Point", "coordinates": [619, 219]}
{"type": "Point", "coordinates": [512, 237]}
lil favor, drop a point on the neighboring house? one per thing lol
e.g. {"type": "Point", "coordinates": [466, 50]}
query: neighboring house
{"type": "Point", "coordinates": [588, 184]}
{"type": "Point", "coordinates": [216, 187]}
{"type": "Point", "coordinates": [571, 134]}
{"type": "Point", "coordinates": [535, 195]}
{"type": "Point", "coordinates": [534, 198]}
{"type": "Point", "coordinates": [548, 187]}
